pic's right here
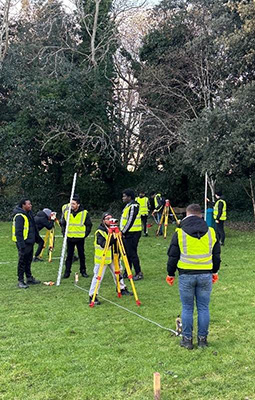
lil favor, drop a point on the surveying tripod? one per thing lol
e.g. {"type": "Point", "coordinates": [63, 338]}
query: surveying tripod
{"type": "Point", "coordinates": [165, 216]}
{"type": "Point", "coordinates": [119, 248]}
{"type": "Point", "coordinates": [49, 236]}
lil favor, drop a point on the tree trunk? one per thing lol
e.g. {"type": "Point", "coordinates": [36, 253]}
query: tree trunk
{"type": "Point", "coordinates": [252, 195]}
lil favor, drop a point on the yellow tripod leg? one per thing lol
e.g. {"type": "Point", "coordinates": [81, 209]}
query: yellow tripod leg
{"type": "Point", "coordinates": [166, 222]}
{"type": "Point", "coordinates": [101, 267]}
{"type": "Point", "coordinates": [46, 237]}
{"type": "Point", "coordinates": [175, 217]}
{"type": "Point", "coordinates": [117, 272]}
{"type": "Point", "coordinates": [51, 243]}
{"type": "Point", "coordinates": [126, 263]}
{"type": "Point", "coordinates": [161, 221]}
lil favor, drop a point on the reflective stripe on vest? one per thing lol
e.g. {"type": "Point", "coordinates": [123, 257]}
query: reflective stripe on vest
{"type": "Point", "coordinates": [137, 225]}
{"type": "Point", "coordinates": [99, 251]}
{"type": "Point", "coordinates": [25, 228]}
{"type": "Point", "coordinates": [196, 253]}
{"type": "Point", "coordinates": [76, 228]}
{"type": "Point", "coordinates": [143, 202]}
{"type": "Point", "coordinates": [223, 216]}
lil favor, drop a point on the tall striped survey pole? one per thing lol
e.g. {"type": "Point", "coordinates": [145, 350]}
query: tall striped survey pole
{"type": "Point", "coordinates": [66, 230]}
{"type": "Point", "coordinates": [206, 185]}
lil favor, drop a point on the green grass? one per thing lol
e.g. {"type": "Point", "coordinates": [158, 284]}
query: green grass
{"type": "Point", "coordinates": [53, 346]}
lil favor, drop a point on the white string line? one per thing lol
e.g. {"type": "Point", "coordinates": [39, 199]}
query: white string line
{"type": "Point", "coordinates": [14, 261]}
{"type": "Point", "coordinates": [130, 311]}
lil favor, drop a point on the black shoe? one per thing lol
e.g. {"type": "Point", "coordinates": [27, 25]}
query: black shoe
{"type": "Point", "coordinates": [125, 275]}
{"type": "Point", "coordinates": [96, 302]}
{"type": "Point", "coordinates": [22, 285]}
{"type": "Point", "coordinates": [36, 259]}
{"type": "Point", "coordinates": [187, 343]}
{"type": "Point", "coordinates": [138, 277]}
{"type": "Point", "coordinates": [202, 341]}
{"type": "Point", "coordinates": [145, 234]}
{"type": "Point", "coordinates": [84, 274]}
{"type": "Point", "coordinates": [125, 292]}
{"type": "Point", "coordinates": [75, 258]}
{"type": "Point", "coordinates": [66, 275]}
{"type": "Point", "coordinates": [32, 281]}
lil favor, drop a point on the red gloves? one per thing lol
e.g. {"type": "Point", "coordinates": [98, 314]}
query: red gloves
{"type": "Point", "coordinates": [215, 277]}
{"type": "Point", "coordinates": [170, 280]}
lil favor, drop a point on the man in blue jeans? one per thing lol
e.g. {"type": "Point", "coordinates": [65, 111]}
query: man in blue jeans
{"type": "Point", "coordinates": [195, 252]}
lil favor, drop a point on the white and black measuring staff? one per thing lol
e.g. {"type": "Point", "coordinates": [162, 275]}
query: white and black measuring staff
{"type": "Point", "coordinates": [206, 185]}
{"type": "Point", "coordinates": [66, 230]}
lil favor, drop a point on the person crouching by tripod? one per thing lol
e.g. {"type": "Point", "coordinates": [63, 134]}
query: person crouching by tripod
{"type": "Point", "coordinates": [43, 219]}
{"type": "Point", "coordinates": [79, 228]}
{"type": "Point", "coordinates": [101, 236]}
{"type": "Point", "coordinates": [131, 229]}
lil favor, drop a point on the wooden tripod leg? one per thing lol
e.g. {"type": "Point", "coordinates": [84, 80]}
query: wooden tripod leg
{"type": "Point", "coordinates": [117, 272]}
{"type": "Point", "coordinates": [166, 222]}
{"type": "Point", "coordinates": [161, 221]}
{"type": "Point", "coordinates": [51, 243]}
{"type": "Point", "coordinates": [126, 263]}
{"type": "Point", "coordinates": [175, 217]}
{"type": "Point", "coordinates": [101, 267]}
{"type": "Point", "coordinates": [46, 237]}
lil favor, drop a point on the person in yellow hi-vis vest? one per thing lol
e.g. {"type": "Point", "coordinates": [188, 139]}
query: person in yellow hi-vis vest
{"type": "Point", "coordinates": [144, 204]}
{"type": "Point", "coordinates": [195, 251]}
{"type": "Point", "coordinates": [101, 236]}
{"type": "Point", "coordinates": [25, 234]}
{"type": "Point", "coordinates": [79, 228]}
{"type": "Point", "coordinates": [220, 216]}
{"type": "Point", "coordinates": [131, 228]}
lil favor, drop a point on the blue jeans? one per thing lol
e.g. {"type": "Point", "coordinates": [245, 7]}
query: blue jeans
{"type": "Point", "coordinates": [198, 286]}
{"type": "Point", "coordinates": [158, 218]}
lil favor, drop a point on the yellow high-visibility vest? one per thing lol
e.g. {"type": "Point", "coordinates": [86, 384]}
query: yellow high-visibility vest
{"type": "Point", "coordinates": [65, 208]}
{"type": "Point", "coordinates": [76, 228]}
{"type": "Point", "coordinates": [99, 251]}
{"type": "Point", "coordinates": [223, 216]}
{"type": "Point", "coordinates": [196, 253]}
{"type": "Point", "coordinates": [157, 200]}
{"type": "Point", "coordinates": [143, 202]}
{"type": "Point", "coordinates": [137, 225]}
{"type": "Point", "coordinates": [25, 228]}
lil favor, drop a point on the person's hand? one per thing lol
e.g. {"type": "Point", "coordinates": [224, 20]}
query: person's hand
{"type": "Point", "coordinates": [53, 216]}
{"type": "Point", "coordinates": [215, 278]}
{"type": "Point", "coordinates": [170, 280]}
{"type": "Point", "coordinates": [217, 221]}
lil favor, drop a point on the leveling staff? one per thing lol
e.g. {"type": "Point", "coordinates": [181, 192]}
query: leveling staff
{"type": "Point", "coordinates": [43, 219]}
{"type": "Point", "coordinates": [79, 228]}
{"type": "Point", "coordinates": [131, 228]}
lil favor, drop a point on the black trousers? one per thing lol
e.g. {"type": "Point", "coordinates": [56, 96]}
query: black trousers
{"type": "Point", "coordinates": [79, 243]}
{"type": "Point", "coordinates": [220, 233]}
{"type": "Point", "coordinates": [40, 247]}
{"type": "Point", "coordinates": [25, 260]}
{"type": "Point", "coordinates": [144, 222]}
{"type": "Point", "coordinates": [131, 245]}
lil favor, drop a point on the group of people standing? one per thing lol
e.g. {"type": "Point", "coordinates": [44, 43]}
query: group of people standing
{"type": "Point", "coordinates": [194, 250]}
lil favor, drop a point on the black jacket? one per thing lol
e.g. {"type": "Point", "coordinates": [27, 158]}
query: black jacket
{"type": "Point", "coordinates": [42, 221]}
{"type": "Point", "coordinates": [87, 223]}
{"type": "Point", "coordinates": [195, 227]}
{"type": "Point", "coordinates": [33, 235]}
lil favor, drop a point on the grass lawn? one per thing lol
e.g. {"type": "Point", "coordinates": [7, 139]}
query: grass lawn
{"type": "Point", "coordinates": [53, 346]}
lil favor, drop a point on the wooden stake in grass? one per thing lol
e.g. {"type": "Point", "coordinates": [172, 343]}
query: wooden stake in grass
{"type": "Point", "coordinates": [156, 386]}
